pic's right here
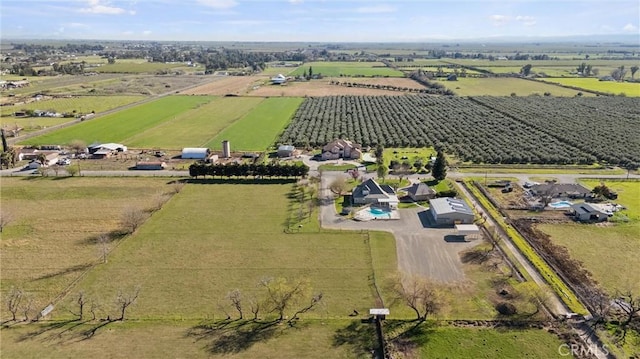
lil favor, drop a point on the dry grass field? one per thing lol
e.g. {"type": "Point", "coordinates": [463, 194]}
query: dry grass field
{"type": "Point", "coordinates": [319, 88]}
{"type": "Point", "coordinates": [50, 239]}
{"type": "Point", "coordinates": [223, 85]}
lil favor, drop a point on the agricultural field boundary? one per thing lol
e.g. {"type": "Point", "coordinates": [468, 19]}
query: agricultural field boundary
{"type": "Point", "coordinates": [556, 283]}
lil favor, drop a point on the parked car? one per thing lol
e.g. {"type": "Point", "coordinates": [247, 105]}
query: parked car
{"type": "Point", "coordinates": [64, 161]}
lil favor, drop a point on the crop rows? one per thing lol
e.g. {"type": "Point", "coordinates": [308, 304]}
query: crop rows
{"type": "Point", "coordinates": [608, 128]}
{"type": "Point", "coordinates": [470, 130]}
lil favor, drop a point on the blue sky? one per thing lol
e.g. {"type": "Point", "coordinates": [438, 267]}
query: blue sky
{"type": "Point", "coordinates": [314, 20]}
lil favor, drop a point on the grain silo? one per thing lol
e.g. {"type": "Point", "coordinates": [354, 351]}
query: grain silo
{"type": "Point", "coordinates": [226, 149]}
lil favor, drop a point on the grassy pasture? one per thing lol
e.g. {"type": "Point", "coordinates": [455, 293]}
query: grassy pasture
{"type": "Point", "coordinates": [135, 67]}
{"type": "Point", "coordinates": [628, 88]}
{"type": "Point", "coordinates": [258, 129]}
{"type": "Point", "coordinates": [82, 104]}
{"type": "Point", "coordinates": [49, 242]}
{"type": "Point", "coordinates": [348, 69]}
{"type": "Point", "coordinates": [504, 87]}
{"type": "Point", "coordinates": [122, 125]}
{"type": "Point", "coordinates": [196, 127]}
{"type": "Point", "coordinates": [452, 342]}
{"type": "Point", "coordinates": [212, 238]}
{"type": "Point", "coordinates": [606, 251]}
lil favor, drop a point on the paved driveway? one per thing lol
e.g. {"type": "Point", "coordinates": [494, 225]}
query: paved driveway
{"type": "Point", "coordinates": [421, 248]}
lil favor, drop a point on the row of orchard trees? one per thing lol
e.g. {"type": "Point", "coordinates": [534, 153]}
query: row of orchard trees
{"type": "Point", "coordinates": [260, 170]}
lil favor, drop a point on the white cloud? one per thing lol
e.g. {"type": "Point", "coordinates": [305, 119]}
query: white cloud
{"type": "Point", "coordinates": [218, 4]}
{"type": "Point", "coordinates": [630, 28]}
{"type": "Point", "coordinates": [499, 20]}
{"type": "Point", "coordinates": [76, 25]}
{"type": "Point", "coordinates": [526, 20]}
{"type": "Point", "coordinates": [146, 32]}
{"type": "Point", "coordinates": [102, 7]}
{"type": "Point", "coordinates": [296, 2]}
{"type": "Point", "coordinates": [376, 9]}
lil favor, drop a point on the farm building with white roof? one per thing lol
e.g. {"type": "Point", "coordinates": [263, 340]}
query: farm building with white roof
{"type": "Point", "coordinates": [450, 211]}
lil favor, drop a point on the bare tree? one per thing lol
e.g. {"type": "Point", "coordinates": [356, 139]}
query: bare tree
{"type": "Point", "coordinates": [235, 297]}
{"type": "Point", "coordinates": [125, 300]}
{"type": "Point", "coordinates": [72, 170]}
{"type": "Point", "coordinates": [5, 219]}
{"type": "Point", "coordinates": [627, 306]}
{"type": "Point", "coordinates": [14, 299]}
{"type": "Point", "coordinates": [103, 246]}
{"type": "Point", "coordinates": [282, 293]}
{"type": "Point", "coordinates": [419, 294]}
{"type": "Point", "coordinates": [338, 186]}
{"type": "Point", "coordinates": [56, 169]}
{"type": "Point", "coordinates": [536, 295]}
{"type": "Point", "coordinates": [26, 305]}
{"type": "Point", "coordinates": [78, 146]}
{"type": "Point", "coordinates": [132, 219]}
{"type": "Point", "coordinates": [81, 301]}
{"type": "Point", "coordinates": [254, 306]}
{"type": "Point", "coordinates": [634, 69]}
{"type": "Point", "coordinates": [314, 301]}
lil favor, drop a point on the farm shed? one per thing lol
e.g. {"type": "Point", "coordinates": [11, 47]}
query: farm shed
{"type": "Point", "coordinates": [448, 211]}
{"type": "Point", "coordinates": [152, 165]}
{"type": "Point", "coordinates": [421, 192]}
{"type": "Point", "coordinates": [195, 153]}
{"type": "Point", "coordinates": [585, 212]}
{"type": "Point", "coordinates": [370, 192]}
{"type": "Point", "coordinates": [286, 151]}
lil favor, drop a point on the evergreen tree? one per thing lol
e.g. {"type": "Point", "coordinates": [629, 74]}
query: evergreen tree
{"type": "Point", "coordinates": [439, 170]}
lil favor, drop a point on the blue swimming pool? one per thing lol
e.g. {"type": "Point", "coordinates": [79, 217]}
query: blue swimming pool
{"type": "Point", "coordinates": [560, 204]}
{"type": "Point", "coordinates": [379, 212]}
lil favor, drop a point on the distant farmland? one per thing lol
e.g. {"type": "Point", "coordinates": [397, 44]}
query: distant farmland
{"type": "Point", "coordinates": [122, 125]}
{"type": "Point", "coordinates": [348, 69]}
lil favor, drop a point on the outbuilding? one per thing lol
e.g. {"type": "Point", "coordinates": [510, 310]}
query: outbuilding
{"type": "Point", "coordinates": [421, 192]}
{"type": "Point", "coordinates": [450, 211]}
{"type": "Point", "coordinates": [585, 212]}
{"type": "Point", "coordinates": [285, 151]}
{"type": "Point", "coordinates": [151, 165]}
{"type": "Point", "coordinates": [195, 153]}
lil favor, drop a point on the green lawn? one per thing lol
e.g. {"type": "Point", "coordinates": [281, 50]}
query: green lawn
{"type": "Point", "coordinates": [504, 86]}
{"type": "Point", "coordinates": [451, 342]}
{"type": "Point", "coordinates": [120, 126]}
{"type": "Point", "coordinates": [82, 104]}
{"type": "Point", "coordinates": [348, 69]}
{"type": "Point", "coordinates": [213, 238]}
{"type": "Point", "coordinates": [606, 251]}
{"type": "Point", "coordinates": [258, 129]}
{"type": "Point", "coordinates": [616, 88]}
{"type": "Point", "coordinates": [196, 127]}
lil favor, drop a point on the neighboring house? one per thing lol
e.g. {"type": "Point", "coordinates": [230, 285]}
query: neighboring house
{"type": "Point", "coordinates": [103, 150]}
{"type": "Point", "coordinates": [286, 151]}
{"type": "Point", "coordinates": [450, 211]}
{"type": "Point", "coordinates": [560, 190]}
{"type": "Point", "coordinates": [585, 212]}
{"type": "Point", "coordinates": [26, 154]}
{"type": "Point", "coordinates": [421, 192]}
{"type": "Point", "coordinates": [195, 153]}
{"type": "Point", "coordinates": [155, 165]}
{"type": "Point", "coordinates": [370, 192]}
{"type": "Point", "coordinates": [51, 159]}
{"type": "Point", "coordinates": [341, 149]}
{"type": "Point", "coordinates": [279, 79]}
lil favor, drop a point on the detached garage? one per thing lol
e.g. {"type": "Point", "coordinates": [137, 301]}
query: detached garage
{"type": "Point", "coordinates": [195, 153]}
{"type": "Point", "coordinates": [450, 211]}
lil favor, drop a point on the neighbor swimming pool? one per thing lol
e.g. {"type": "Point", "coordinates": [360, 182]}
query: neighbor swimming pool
{"type": "Point", "coordinates": [560, 204]}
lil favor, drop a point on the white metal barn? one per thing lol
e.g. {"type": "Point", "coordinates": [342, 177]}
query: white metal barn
{"type": "Point", "coordinates": [195, 153]}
